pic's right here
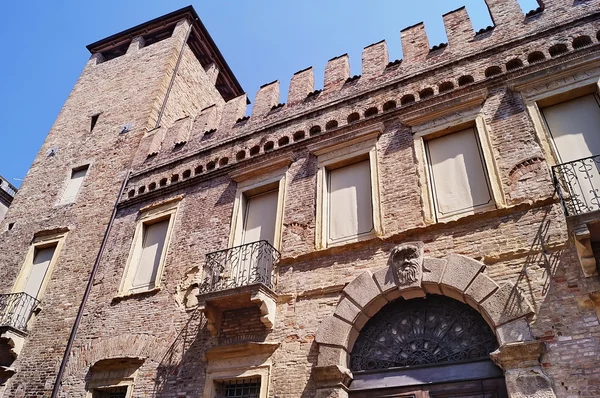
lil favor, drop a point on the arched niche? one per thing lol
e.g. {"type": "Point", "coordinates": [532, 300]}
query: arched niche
{"type": "Point", "coordinates": [409, 276]}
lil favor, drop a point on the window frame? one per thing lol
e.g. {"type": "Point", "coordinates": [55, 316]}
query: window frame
{"type": "Point", "coordinates": [223, 376]}
{"type": "Point", "coordinates": [536, 100]}
{"type": "Point", "coordinates": [256, 181]}
{"type": "Point", "coordinates": [149, 215]}
{"type": "Point", "coordinates": [40, 242]}
{"type": "Point", "coordinates": [66, 201]}
{"type": "Point", "coordinates": [337, 152]}
{"type": "Point", "coordinates": [128, 383]}
{"type": "Point", "coordinates": [472, 119]}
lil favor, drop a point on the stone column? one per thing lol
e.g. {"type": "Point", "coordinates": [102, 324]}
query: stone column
{"type": "Point", "coordinates": [522, 370]}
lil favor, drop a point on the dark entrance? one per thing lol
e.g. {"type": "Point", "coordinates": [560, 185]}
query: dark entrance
{"type": "Point", "coordinates": [426, 348]}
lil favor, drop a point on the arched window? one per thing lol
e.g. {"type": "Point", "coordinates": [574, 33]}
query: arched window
{"type": "Point", "coordinates": [437, 337]}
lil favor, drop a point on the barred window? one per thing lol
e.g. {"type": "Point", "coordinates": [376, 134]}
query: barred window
{"type": "Point", "coordinates": [239, 388]}
{"type": "Point", "coordinates": [110, 392]}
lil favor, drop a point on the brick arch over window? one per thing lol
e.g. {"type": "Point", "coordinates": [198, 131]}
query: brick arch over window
{"type": "Point", "coordinates": [457, 277]}
{"type": "Point", "coordinates": [134, 346]}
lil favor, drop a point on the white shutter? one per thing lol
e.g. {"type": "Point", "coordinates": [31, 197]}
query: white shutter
{"type": "Point", "coordinates": [39, 268]}
{"type": "Point", "coordinates": [575, 127]}
{"type": "Point", "coordinates": [74, 184]}
{"type": "Point", "coordinates": [350, 201]}
{"type": "Point", "coordinates": [152, 249]}
{"type": "Point", "coordinates": [458, 174]}
{"type": "Point", "coordinates": [259, 217]}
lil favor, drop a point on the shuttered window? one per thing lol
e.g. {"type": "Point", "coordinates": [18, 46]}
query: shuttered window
{"type": "Point", "coordinates": [153, 245]}
{"type": "Point", "coordinates": [260, 214]}
{"type": "Point", "coordinates": [41, 262]}
{"type": "Point", "coordinates": [575, 127]}
{"type": "Point", "coordinates": [74, 184]}
{"type": "Point", "coordinates": [350, 202]}
{"type": "Point", "coordinates": [458, 175]}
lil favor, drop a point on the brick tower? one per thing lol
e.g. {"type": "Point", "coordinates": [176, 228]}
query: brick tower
{"type": "Point", "coordinates": [135, 82]}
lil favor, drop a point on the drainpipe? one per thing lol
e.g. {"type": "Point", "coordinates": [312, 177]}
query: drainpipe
{"type": "Point", "coordinates": [87, 292]}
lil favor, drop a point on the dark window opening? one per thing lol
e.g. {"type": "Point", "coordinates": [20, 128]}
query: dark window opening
{"type": "Point", "coordinates": [446, 86]}
{"type": "Point", "coordinates": [371, 112]}
{"type": "Point", "coordinates": [254, 150]}
{"type": "Point", "coordinates": [388, 106]}
{"type": "Point", "coordinates": [464, 80]}
{"type": "Point", "coordinates": [240, 155]}
{"type": "Point", "coordinates": [353, 117]}
{"type": "Point", "coordinates": [240, 388]}
{"type": "Point", "coordinates": [492, 71]}
{"type": "Point", "coordinates": [331, 124]}
{"type": "Point", "coordinates": [94, 121]}
{"type": "Point", "coordinates": [407, 99]}
{"type": "Point", "coordinates": [558, 49]}
{"type": "Point", "coordinates": [581, 41]}
{"type": "Point", "coordinates": [314, 130]}
{"type": "Point", "coordinates": [536, 56]}
{"type": "Point", "coordinates": [186, 174]}
{"type": "Point", "coordinates": [514, 64]}
{"type": "Point", "coordinates": [426, 93]}
{"type": "Point", "coordinates": [283, 141]}
{"type": "Point", "coordinates": [299, 135]}
{"type": "Point", "coordinates": [269, 145]}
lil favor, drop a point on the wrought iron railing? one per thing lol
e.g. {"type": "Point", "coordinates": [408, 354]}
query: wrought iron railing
{"type": "Point", "coordinates": [16, 309]}
{"type": "Point", "coordinates": [577, 184]}
{"type": "Point", "coordinates": [240, 266]}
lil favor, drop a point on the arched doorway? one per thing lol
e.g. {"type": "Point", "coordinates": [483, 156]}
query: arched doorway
{"type": "Point", "coordinates": [430, 347]}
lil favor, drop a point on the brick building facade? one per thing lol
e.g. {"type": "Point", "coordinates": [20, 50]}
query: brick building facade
{"type": "Point", "coordinates": [424, 229]}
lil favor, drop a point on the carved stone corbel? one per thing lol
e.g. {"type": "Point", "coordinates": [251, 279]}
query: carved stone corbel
{"type": "Point", "coordinates": [267, 306]}
{"type": "Point", "coordinates": [332, 381]}
{"type": "Point", "coordinates": [584, 250]}
{"type": "Point", "coordinates": [522, 369]}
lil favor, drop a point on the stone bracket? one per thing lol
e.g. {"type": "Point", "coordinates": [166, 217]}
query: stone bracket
{"type": "Point", "coordinates": [14, 340]}
{"type": "Point", "coordinates": [585, 253]}
{"type": "Point", "coordinates": [213, 304]}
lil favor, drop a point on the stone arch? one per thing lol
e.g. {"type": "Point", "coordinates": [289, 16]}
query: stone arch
{"type": "Point", "coordinates": [502, 306]}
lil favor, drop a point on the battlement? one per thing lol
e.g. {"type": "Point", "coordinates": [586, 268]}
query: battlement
{"type": "Point", "coordinates": [510, 23]}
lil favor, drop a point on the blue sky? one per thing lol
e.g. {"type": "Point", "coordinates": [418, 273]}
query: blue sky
{"type": "Point", "coordinates": [43, 51]}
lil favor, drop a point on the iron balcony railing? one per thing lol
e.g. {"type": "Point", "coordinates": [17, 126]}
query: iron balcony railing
{"type": "Point", "coordinates": [577, 184]}
{"type": "Point", "coordinates": [16, 309]}
{"type": "Point", "coordinates": [240, 266]}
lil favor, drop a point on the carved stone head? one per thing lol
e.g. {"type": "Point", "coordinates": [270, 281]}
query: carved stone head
{"type": "Point", "coordinates": [406, 261]}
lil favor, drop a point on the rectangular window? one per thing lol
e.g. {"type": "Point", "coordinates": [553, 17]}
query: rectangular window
{"type": "Point", "coordinates": [260, 213]}
{"type": "Point", "coordinates": [74, 184]}
{"type": "Point", "coordinates": [39, 269]}
{"type": "Point", "coordinates": [110, 392]}
{"type": "Point", "coordinates": [575, 127]}
{"type": "Point", "coordinates": [350, 201]}
{"type": "Point", "coordinates": [239, 388]}
{"type": "Point", "coordinates": [149, 248]}
{"type": "Point", "coordinates": [151, 253]}
{"type": "Point", "coordinates": [458, 175]}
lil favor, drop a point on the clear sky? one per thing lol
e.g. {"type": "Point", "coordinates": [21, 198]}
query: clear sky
{"type": "Point", "coordinates": [43, 47]}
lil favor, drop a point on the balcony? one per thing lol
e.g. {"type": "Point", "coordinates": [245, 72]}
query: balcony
{"type": "Point", "coordinates": [15, 310]}
{"type": "Point", "coordinates": [237, 278]}
{"type": "Point", "coordinates": [577, 184]}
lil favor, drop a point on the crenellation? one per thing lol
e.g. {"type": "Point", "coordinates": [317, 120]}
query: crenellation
{"type": "Point", "coordinates": [374, 59]}
{"type": "Point", "coordinates": [233, 110]}
{"type": "Point", "coordinates": [415, 44]}
{"type": "Point", "coordinates": [302, 83]}
{"type": "Point", "coordinates": [459, 29]}
{"type": "Point", "coordinates": [266, 98]}
{"type": "Point", "coordinates": [505, 13]}
{"type": "Point", "coordinates": [212, 71]}
{"type": "Point", "coordinates": [337, 71]}
{"type": "Point", "coordinates": [137, 43]}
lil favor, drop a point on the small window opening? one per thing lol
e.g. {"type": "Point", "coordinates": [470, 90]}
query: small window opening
{"type": "Point", "coordinates": [186, 174]}
{"type": "Point", "coordinates": [445, 86]}
{"type": "Point", "coordinates": [353, 117]}
{"type": "Point", "coordinates": [241, 155]}
{"type": "Point", "coordinates": [283, 141]}
{"type": "Point", "coordinates": [199, 170]}
{"type": "Point", "coordinates": [464, 80]}
{"type": "Point", "coordinates": [388, 106]}
{"type": "Point", "coordinates": [254, 150]}
{"type": "Point", "coordinates": [94, 121]}
{"type": "Point", "coordinates": [314, 130]}
{"type": "Point", "coordinates": [536, 56]}
{"type": "Point", "coordinates": [299, 135]}
{"type": "Point", "coordinates": [239, 388]}
{"type": "Point", "coordinates": [163, 182]}
{"type": "Point", "coordinates": [426, 93]}
{"type": "Point", "coordinates": [131, 193]}
{"type": "Point", "coordinates": [558, 49]}
{"type": "Point", "coordinates": [141, 190]}
{"type": "Point", "coordinates": [371, 112]}
{"type": "Point", "coordinates": [407, 99]}
{"type": "Point", "coordinates": [581, 41]}
{"type": "Point", "coordinates": [492, 71]}
{"type": "Point", "coordinates": [269, 145]}
{"type": "Point", "coordinates": [223, 162]}
{"type": "Point", "coordinates": [514, 64]}
{"type": "Point", "coordinates": [174, 178]}
{"type": "Point", "coordinates": [331, 124]}
{"type": "Point", "coordinates": [11, 225]}
{"type": "Point", "coordinates": [152, 186]}
{"type": "Point", "coordinates": [211, 165]}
